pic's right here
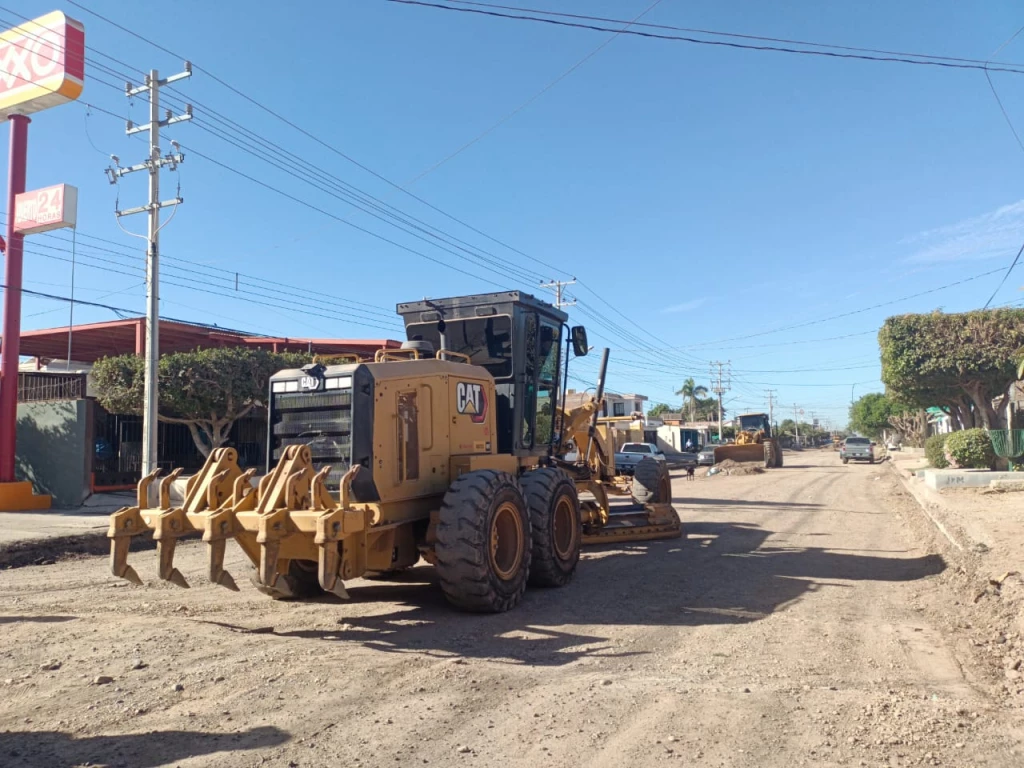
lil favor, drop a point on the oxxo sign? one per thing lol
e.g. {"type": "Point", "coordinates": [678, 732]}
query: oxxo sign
{"type": "Point", "coordinates": [471, 401]}
{"type": "Point", "coordinates": [42, 64]}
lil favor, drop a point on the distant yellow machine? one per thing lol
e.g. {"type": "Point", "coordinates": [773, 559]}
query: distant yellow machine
{"type": "Point", "coordinates": [754, 442]}
{"type": "Point", "coordinates": [454, 449]}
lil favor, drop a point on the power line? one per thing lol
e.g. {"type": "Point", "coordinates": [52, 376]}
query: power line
{"type": "Point", "coordinates": [508, 116]}
{"type": "Point", "coordinates": [346, 192]}
{"type": "Point", "coordinates": [1006, 274]}
{"type": "Point", "coordinates": [859, 311]}
{"type": "Point", "coordinates": [900, 58]}
{"type": "Point", "coordinates": [308, 134]}
{"type": "Point", "coordinates": [320, 210]}
{"type": "Point", "coordinates": [614, 328]}
{"type": "Point", "coordinates": [734, 34]}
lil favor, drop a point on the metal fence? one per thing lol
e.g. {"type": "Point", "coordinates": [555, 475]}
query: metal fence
{"type": "Point", "coordinates": [33, 387]}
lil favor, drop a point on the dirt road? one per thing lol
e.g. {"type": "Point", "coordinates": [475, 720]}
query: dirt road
{"type": "Point", "coordinates": [802, 622]}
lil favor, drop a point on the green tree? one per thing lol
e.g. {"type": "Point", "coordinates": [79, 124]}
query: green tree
{"type": "Point", "coordinates": [657, 409]}
{"type": "Point", "coordinates": [707, 409]}
{"type": "Point", "coordinates": [871, 414]}
{"type": "Point", "coordinates": [690, 391]}
{"type": "Point", "coordinates": [207, 390]}
{"type": "Point", "coordinates": [963, 363]}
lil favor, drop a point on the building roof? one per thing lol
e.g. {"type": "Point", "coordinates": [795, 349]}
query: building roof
{"type": "Point", "coordinates": [92, 341]}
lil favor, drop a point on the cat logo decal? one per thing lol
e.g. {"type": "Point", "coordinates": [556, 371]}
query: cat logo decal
{"type": "Point", "coordinates": [471, 401]}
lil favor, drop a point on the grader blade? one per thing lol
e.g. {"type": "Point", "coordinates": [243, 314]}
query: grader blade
{"type": "Point", "coordinates": [655, 521]}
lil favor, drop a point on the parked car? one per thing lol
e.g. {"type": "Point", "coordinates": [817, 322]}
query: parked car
{"type": "Point", "coordinates": [706, 456]}
{"type": "Point", "coordinates": [857, 449]}
{"type": "Point", "coordinates": [631, 454]}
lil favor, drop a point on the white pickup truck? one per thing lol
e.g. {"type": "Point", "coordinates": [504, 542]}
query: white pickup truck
{"type": "Point", "coordinates": [857, 449]}
{"type": "Point", "coordinates": [631, 454]}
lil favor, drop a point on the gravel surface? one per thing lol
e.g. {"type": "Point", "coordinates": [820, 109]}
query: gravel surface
{"type": "Point", "coordinates": [809, 618]}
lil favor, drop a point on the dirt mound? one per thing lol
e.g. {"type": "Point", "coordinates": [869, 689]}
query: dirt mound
{"type": "Point", "coordinates": [731, 467]}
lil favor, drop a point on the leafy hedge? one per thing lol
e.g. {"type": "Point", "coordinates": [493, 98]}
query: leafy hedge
{"type": "Point", "coordinates": [971, 449]}
{"type": "Point", "coordinates": [935, 451]}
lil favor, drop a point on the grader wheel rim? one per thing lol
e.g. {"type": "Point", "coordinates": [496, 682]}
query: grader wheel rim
{"type": "Point", "coordinates": [508, 541]}
{"type": "Point", "coordinates": [565, 528]}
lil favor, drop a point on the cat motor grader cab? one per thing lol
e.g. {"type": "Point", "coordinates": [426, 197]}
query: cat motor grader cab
{"type": "Point", "coordinates": [451, 449]}
{"type": "Point", "coordinates": [754, 442]}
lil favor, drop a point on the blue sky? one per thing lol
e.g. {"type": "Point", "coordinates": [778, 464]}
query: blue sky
{"type": "Point", "coordinates": [709, 195]}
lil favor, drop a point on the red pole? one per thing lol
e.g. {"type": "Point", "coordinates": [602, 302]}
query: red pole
{"type": "Point", "coordinates": [12, 301]}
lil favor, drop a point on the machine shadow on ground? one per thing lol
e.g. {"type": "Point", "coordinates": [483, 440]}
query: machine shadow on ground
{"type": "Point", "coordinates": [53, 749]}
{"type": "Point", "coordinates": [722, 574]}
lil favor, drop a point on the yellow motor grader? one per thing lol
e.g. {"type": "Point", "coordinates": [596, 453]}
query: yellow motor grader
{"type": "Point", "coordinates": [754, 442]}
{"type": "Point", "coordinates": [454, 449]}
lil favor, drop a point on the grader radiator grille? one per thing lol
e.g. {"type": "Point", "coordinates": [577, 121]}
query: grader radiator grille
{"type": "Point", "coordinates": [321, 420]}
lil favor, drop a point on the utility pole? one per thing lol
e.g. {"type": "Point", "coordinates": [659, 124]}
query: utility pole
{"type": "Point", "coordinates": [720, 388]}
{"type": "Point", "coordinates": [557, 286]}
{"type": "Point", "coordinates": [152, 165]}
{"type": "Point", "coordinates": [796, 421]}
{"type": "Point", "coordinates": [771, 407]}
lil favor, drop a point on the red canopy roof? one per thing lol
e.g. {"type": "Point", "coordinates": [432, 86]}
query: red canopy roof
{"type": "Point", "coordinates": [92, 341]}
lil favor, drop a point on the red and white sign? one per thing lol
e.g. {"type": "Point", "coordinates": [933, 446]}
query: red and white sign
{"type": "Point", "coordinates": [44, 209]}
{"type": "Point", "coordinates": [42, 64]}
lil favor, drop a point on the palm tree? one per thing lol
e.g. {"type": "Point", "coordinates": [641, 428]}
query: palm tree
{"type": "Point", "coordinates": [690, 391]}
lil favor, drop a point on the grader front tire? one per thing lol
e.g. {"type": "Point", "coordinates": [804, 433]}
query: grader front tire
{"type": "Point", "coordinates": [652, 483]}
{"type": "Point", "coordinates": [554, 508]}
{"type": "Point", "coordinates": [483, 544]}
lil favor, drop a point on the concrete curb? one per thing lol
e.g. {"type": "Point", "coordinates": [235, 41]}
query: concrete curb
{"type": "Point", "coordinates": [927, 500]}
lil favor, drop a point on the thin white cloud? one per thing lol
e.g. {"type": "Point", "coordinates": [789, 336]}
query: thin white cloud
{"type": "Point", "coordinates": [988, 236]}
{"type": "Point", "coordinates": [686, 306]}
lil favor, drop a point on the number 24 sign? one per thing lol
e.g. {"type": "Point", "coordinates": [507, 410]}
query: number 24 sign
{"type": "Point", "coordinates": [41, 210]}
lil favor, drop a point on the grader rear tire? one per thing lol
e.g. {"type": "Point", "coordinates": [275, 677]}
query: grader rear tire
{"type": "Point", "coordinates": [651, 482]}
{"type": "Point", "coordinates": [554, 508]}
{"type": "Point", "coordinates": [483, 544]}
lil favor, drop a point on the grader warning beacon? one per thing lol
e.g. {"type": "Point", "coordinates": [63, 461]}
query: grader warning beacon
{"type": "Point", "coordinates": [754, 442]}
{"type": "Point", "coordinates": [455, 449]}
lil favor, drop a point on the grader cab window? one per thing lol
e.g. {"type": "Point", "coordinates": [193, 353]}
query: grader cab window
{"type": "Point", "coordinates": [547, 381]}
{"type": "Point", "coordinates": [541, 373]}
{"type": "Point", "coordinates": [487, 341]}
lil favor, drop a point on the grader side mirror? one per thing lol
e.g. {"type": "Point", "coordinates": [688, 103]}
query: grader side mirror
{"type": "Point", "coordinates": [579, 340]}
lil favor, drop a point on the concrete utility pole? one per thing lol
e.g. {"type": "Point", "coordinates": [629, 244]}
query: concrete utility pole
{"type": "Point", "coordinates": [152, 166]}
{"type": "Point", "coordinates": [720, 388]}
{"type": "Point", "coordinates": [796, 421]}
{"type": "Point", "coordinates": [771, 406]}
{"type": "Point", "coordinates": [557, 286]}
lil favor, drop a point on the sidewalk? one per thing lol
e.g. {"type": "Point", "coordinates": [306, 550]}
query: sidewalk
{"type": "Point", "coordinates": [983, 521]}
{"type": "Point", "coordinates": [35, 538]}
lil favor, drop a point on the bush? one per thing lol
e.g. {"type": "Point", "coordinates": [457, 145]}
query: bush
{"type": "Point", "coordinates": [935, 451]}
{"type": "Point", "coordinates": [971, 449]}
